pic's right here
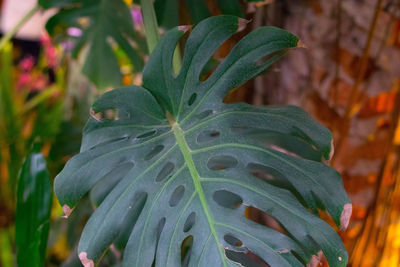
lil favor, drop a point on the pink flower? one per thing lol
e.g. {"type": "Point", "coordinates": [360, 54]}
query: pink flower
{"type": "Point", "coordinates": [50, 52]}
{"type": "Point", "coordinates": [24, 80]}
{"type": "Point", "coordinates": [27, 63]}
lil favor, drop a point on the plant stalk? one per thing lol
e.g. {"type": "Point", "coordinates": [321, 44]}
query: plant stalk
{"type": "Point", "coordinates": [151, 30]}
{"type": "Point", "coordinates": [150, 24]}
{"type": "Point", "coordinates": [7, 37]}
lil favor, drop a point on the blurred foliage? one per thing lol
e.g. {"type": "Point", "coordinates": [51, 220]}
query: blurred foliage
{"type": "Point", "coordinates": [32, 215]}
{"type": "Point", "coordinates": [103, 26]}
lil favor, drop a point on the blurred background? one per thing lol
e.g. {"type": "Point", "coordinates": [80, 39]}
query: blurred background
{"type": "Point", "coordinates": [56, 57]}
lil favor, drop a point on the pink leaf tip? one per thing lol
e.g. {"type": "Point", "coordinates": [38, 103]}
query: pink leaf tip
{"type": "Point", "coordinates": [345, 216]}
{"type": "Point", "coordinates": [184, 28]}
{"type": "Point", "coordinates": [85, 261]}
{"type": "Point", "coordinates": [94, 116]}
{"type": "Point", "coordinates": [242, 23]}
{"type": "Point", "coordinates": [332, 150]}
{"type": "Point", "coordinates": [67, 211]}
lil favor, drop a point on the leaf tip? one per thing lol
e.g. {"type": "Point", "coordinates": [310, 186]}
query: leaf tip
{"type": "Point", "coordinates": [85, 261]}
{"type": "Point", "coordinates": [67, 211]}
{"type": "Point", "coordinates": [93, 115]}
{"type": "Point", "coordinates": [300, 44]}
{"type": "Point", "coordinates": [315, 260]}
{"type": "Point", "coordinates": [345, 216]}
{"type": "Point", "coordinates": [184, 28]}
{"type": "Point", "coordinates": [242, 23]}
{"type": "Point", "coordinates": [332, 151]}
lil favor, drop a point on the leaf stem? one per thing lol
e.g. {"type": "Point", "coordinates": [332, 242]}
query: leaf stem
{"type": "Point", "coordinates": [150, 24]}
{"type": "Point", "coordinates": [187, 155]}
{"type": "Point", "coordinates": [6, 38]}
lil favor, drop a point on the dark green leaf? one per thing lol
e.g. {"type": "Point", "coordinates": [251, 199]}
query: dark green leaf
{"type": "Point", "coordinates": [167, 13]}
{"type": "Point", "coordinates": [174, 170]}
{"type": "Point", "coordinates": [33, 210]}
{"type": "Point", "coordinates": [230, 8]}
{"type": "Point", "coordinates": [198, 10]}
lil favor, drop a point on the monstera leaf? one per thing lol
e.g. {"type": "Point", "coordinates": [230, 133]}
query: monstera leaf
{"type": "Point", "coordinates": [173, 169]}
{"type": "Point", "coordinates": [103, 24]}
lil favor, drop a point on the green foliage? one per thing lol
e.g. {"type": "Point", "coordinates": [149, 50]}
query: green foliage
{"type": "Point", "coordinates": [172, 168]}
{"type": "Point", "coordinates": [168, 10]}
{"type": "Point", "coordinates": [105, 24]}
{"type": "Point", "coordinates": [6, 253]}
{"type": "Point", "coordinates": [10, 126]}
{"type": "Point", "coordinates": [32, 217]}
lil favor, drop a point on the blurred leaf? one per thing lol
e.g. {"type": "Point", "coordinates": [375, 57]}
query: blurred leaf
{"type": "Point", "coordinates": [10, 124]}
{"type": "Point", "coordinates": [50, 115]}
{"type": "Point", "coordinates": [198, 10]}
{"type": "Point", "coordinates": [167, 13]}
{"type": "Point", "coordinates": [6, 253]}
{"type": "Point", "coordinates": [104, 24]}
{"type": "Point", "coordinates": [230, 7]}
{"type": "Point", "coordinates": [32, 216]}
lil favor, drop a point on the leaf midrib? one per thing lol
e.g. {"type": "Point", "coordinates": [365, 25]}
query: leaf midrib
{"type": "Point", "coordinates": [187, 155]}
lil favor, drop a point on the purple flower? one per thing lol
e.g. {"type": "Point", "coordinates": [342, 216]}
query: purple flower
{"type": "Point", "coordinates": [137, 15]}
{"type": "Point", "coordinates": [74, 32]}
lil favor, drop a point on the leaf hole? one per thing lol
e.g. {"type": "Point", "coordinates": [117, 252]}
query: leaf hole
{"type": "Point", "coordinates": [110, 114]}
{"type": "Point", "coordinates": [209, 68]}
{"type": "Point", "coordinates": [204, 114]}
{"type": "Point", "coordinates": [227, 199]}
{"type": "Point", "coordinates": [165, 171]}
{"type": "Point", "coordinates": [233, 241]}
{"type": "Point", "coordinates": [154, 152]}
{"type": "Point", "coordinates": [282, 150]}
{"type": "Point", "coordinates": [160, 227]}
{"type": "Point", "coordinates": [146, 134]}
{"type": "Point", "coordinates": [190, 221]}
{"type": "Point", "coordinates": [268, 174]}
{"type": "Point", "coordinates": [261, 171]}
{"type": "Point", "coordinates": [159, 230]}
{"type": "Point", "coordinates": [186, 247]}
{"type": "Point", "coordinates": [246, 259]}
{"type": "Point", "coordinates": [258, 216]}
{"type": "Point", "coordinates": [176, 196]}
{"type": "Point", "coordinates": [222, 162]}
{"type": "Point", "coordinates": [192, 99]}
{"type": "Point", "coordinates": [207, 136]}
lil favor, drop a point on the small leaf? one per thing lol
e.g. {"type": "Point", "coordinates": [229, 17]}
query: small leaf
{"type": "Point", "coordinates": [176, 169]}
{"type": "Point", "coordinates": [33, 210]}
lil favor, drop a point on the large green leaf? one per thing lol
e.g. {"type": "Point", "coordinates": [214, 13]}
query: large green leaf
{"type": "Point", "coordinates": [176, 168]}
{"type": "Point", "coordinates": [32, 217]}
{"type": "Point", "coordinates": [103, 22]}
